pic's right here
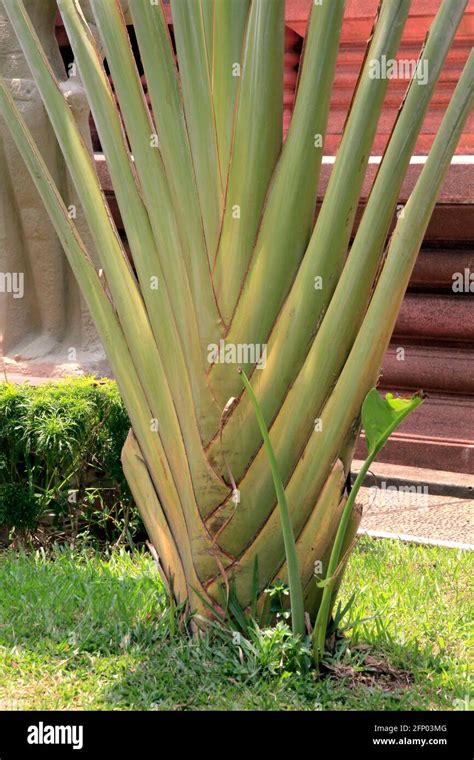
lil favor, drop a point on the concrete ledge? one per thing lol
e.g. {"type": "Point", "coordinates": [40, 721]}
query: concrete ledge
{"type": "Point", "coordinates": [439, 482]}
{"type": "Point", "coordinates": [416, 539]}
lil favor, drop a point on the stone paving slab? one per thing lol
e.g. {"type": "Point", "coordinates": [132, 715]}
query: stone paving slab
{"type": "Point", "coordinates": [417, 515]}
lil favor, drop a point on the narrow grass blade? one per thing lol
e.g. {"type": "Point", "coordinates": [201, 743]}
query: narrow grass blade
{"type": "Point", "coordinates": [255, 590]}
{"type": "Point", "coordinates": [294, 580]}
{"type": "Point", "coordinates": [313, 538]}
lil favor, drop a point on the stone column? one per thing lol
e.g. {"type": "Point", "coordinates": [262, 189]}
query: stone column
{"type": "Point", "coordinates": [45, 328]}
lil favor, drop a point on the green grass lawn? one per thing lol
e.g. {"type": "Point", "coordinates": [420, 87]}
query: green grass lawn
{"type": "Point", "coordinates": [83, 631]}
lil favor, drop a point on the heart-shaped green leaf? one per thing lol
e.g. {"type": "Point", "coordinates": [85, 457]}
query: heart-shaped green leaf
{"type": "Point", "coordinates": [381, 416]}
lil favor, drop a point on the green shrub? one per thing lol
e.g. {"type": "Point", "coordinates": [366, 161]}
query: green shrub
{"type": "Point", "coordinates": [60, 447]}
{"type": "Point", "coordinates": [19, 506]}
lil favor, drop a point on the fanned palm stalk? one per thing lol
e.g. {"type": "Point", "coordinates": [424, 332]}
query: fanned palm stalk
{"type": "Point", "coordinates": [220, 215]}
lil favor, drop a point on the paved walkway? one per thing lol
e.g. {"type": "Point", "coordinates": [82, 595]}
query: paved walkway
{"type": "Point", "coordinates": [418, 516]}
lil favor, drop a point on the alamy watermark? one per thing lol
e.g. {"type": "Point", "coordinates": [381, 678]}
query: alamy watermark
{"type": "Point", "coordinates": [405, 68]}
{"type": "Point", "coordinates": [463, 282]}
{"type": "Point", "coordinates": [12, 282]}
{"type": "Point", "coordinates": [48, 734]}
{"type": "Point", "coordinates": [237, 353]}
{"type": "Point", "coordinates": [418, 495]}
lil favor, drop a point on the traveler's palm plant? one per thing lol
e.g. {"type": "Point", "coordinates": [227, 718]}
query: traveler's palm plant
{"type": "Point", "coordinates": [227, 266]}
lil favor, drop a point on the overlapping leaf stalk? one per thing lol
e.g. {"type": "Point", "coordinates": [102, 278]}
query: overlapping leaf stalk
{"type": "Point", "coordinates": [219, 217]}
